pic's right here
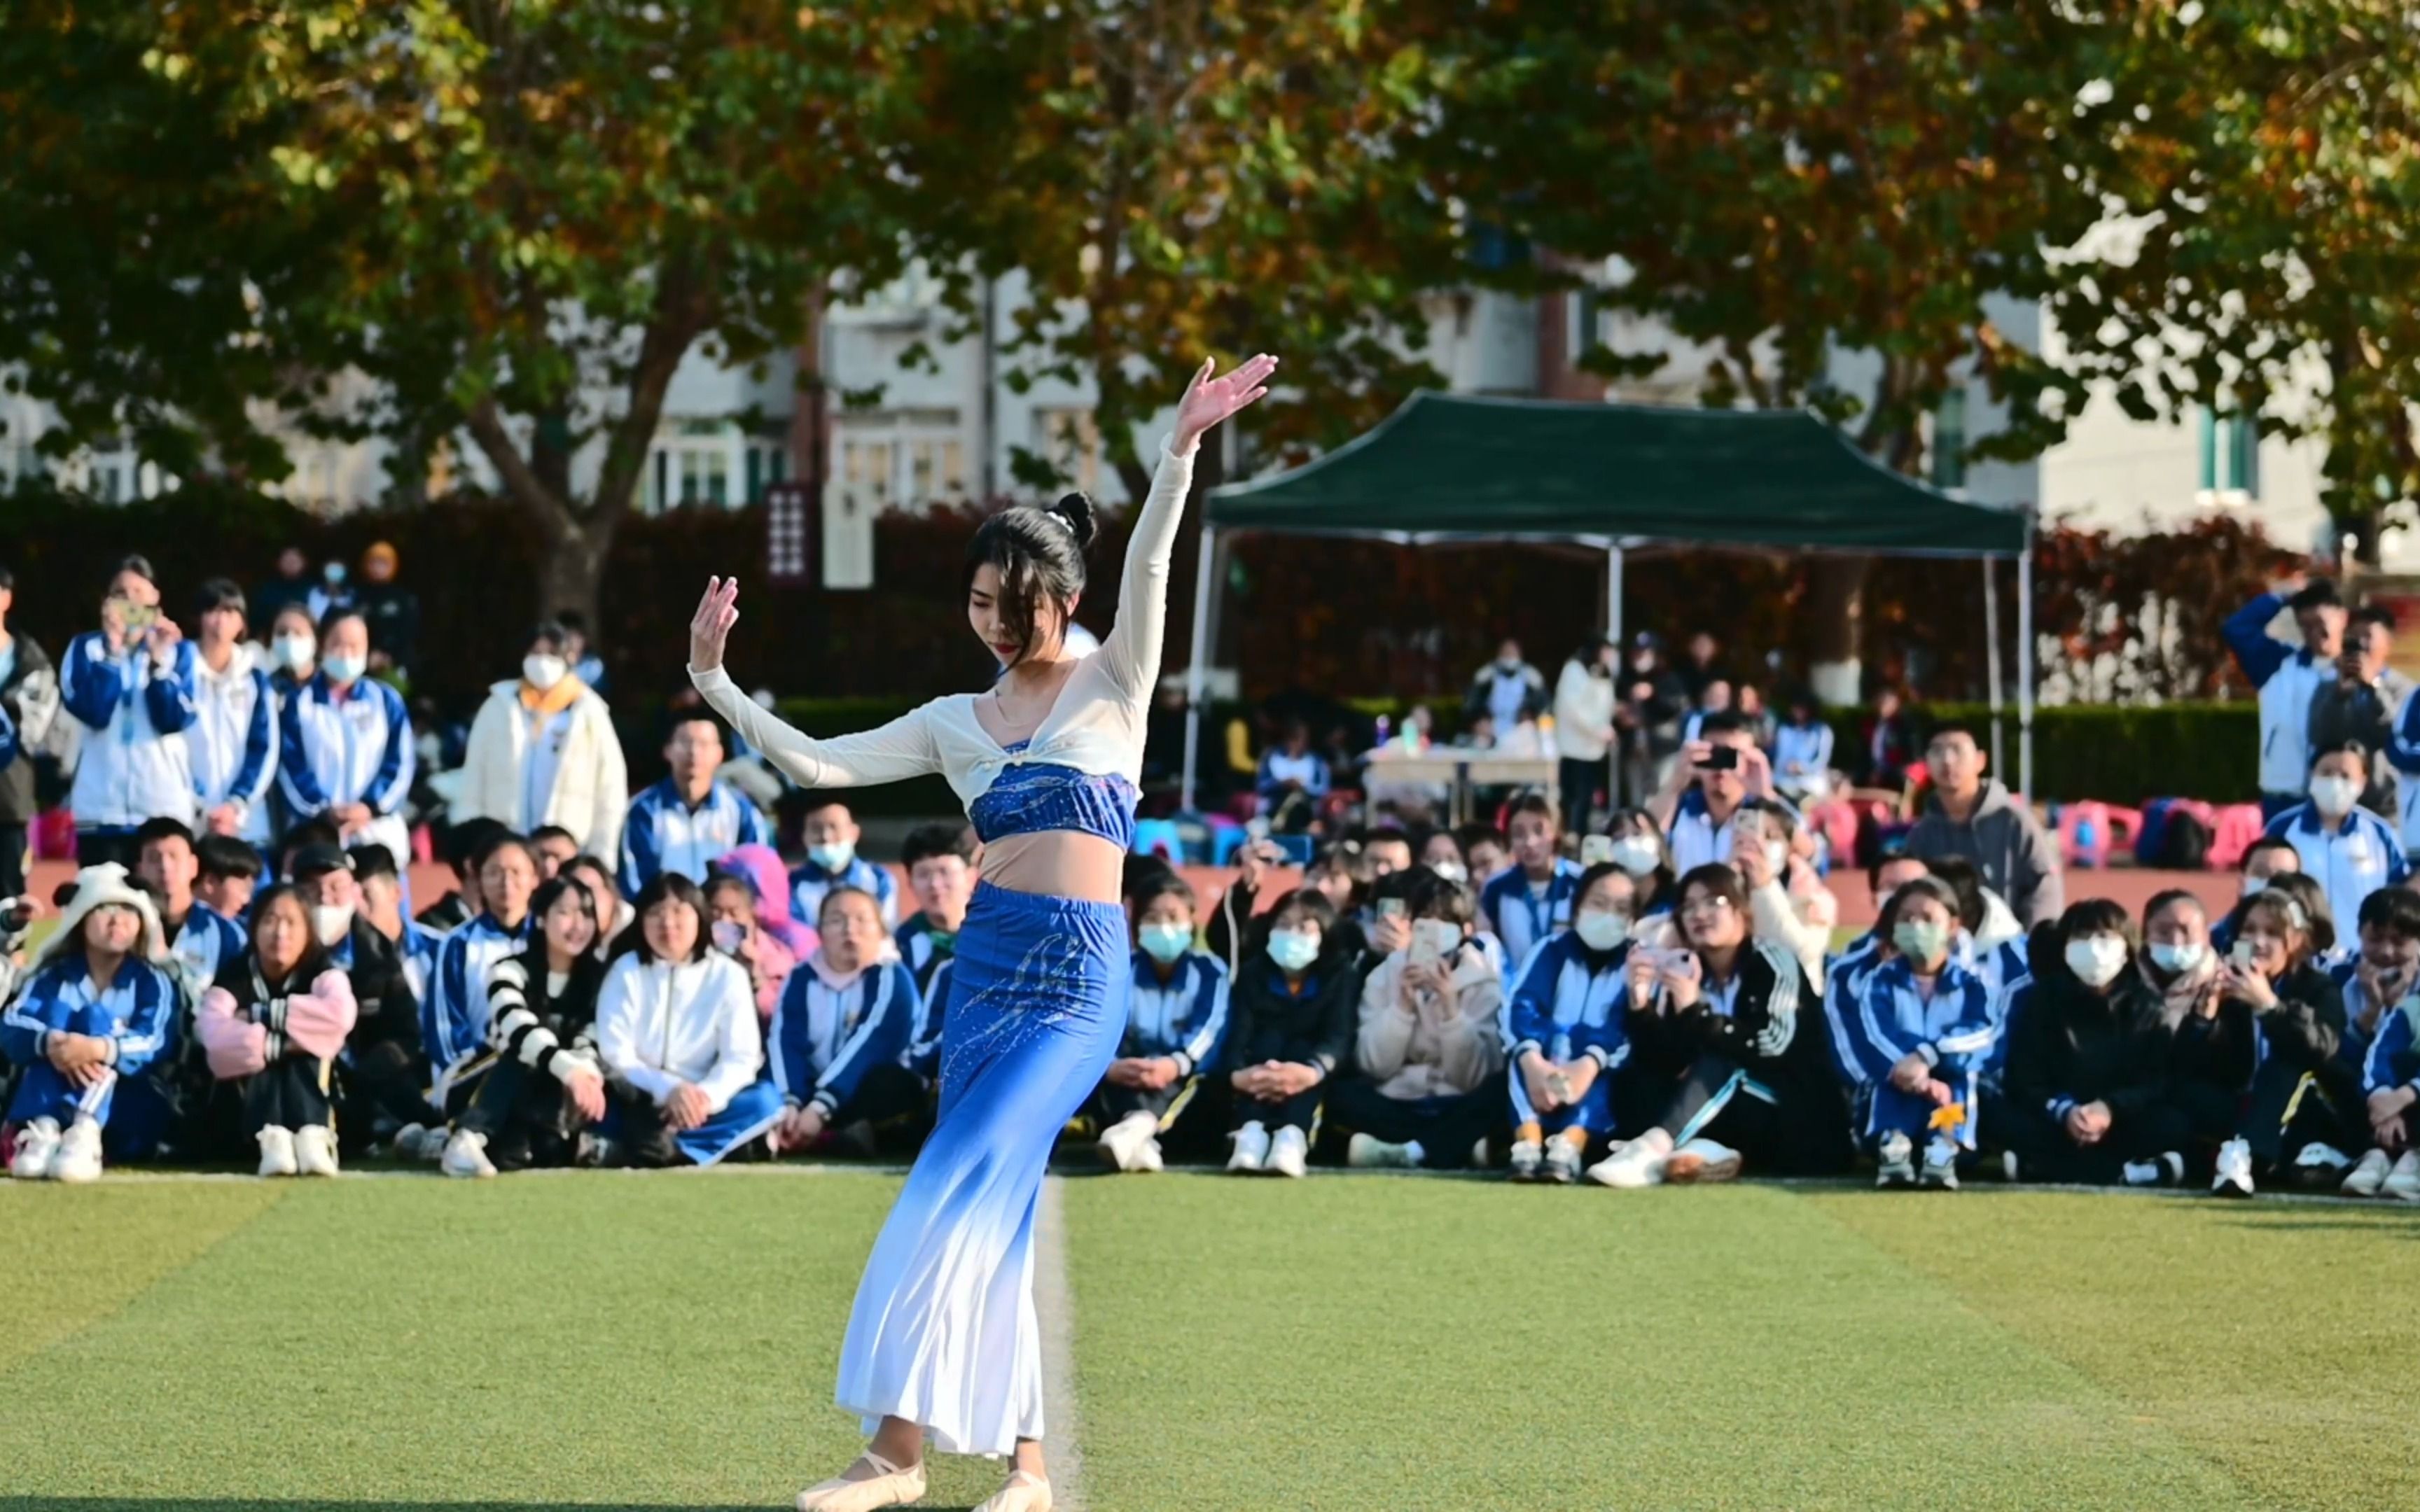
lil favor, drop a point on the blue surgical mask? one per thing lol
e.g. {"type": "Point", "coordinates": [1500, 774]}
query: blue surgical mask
{"type": "Point", "coordinates": [1165, 943]}
{"type": "Point", "coordinates": [834, 857]}
{"type": "Point", "coordinates": [1292, 949]}
{"type": "Point", "coordinates": [1922, 941]}
{"type": "Point", "coordinates": [342, 670]}
{"type": "Point", "coordinates": [334, 572]}
{"type": "Point", "coordinates": [2177, 958]}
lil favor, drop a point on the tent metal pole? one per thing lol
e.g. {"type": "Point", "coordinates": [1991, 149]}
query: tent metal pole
{"type": "Point", "coordinates": [2026, 661]}
{"type": "Point", "coordinates": [1197, 676]}
{"type": "Point", "coordinates": [1992, 660]}
{"type": "Point", "coordinates": [1612, 632]}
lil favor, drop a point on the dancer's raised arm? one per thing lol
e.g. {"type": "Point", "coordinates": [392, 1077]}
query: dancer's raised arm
{"type": "Point", "coordinates": [900, 750]}
{"type": "Point", "coordinates": [1132, 651]}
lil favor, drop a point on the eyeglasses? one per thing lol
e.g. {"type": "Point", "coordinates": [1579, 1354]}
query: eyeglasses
{"type": "Point", "coordinates": [1715, 905]}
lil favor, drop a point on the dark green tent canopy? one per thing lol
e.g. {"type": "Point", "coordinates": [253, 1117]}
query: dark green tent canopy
{"type": "Point", "coordinates": [1448, 467]}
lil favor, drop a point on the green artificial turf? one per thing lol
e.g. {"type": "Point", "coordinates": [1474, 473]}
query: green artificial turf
{"type": "Point", "coordinates": [1341, 1343]}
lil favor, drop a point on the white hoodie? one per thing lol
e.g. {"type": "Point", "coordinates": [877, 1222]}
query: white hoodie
{"type": "Point", "coordinates": [659, 1024]}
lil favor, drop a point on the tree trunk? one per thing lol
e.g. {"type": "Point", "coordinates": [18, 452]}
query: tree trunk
{"type": "Point", "coordinates": [1836, 600]}
{"type": "Point", "coordinates": [573, 572]}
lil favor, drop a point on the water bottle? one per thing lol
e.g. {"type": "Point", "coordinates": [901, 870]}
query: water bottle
{"type": "Point", "coordinates": [1385, 725]}
{"type": "Point", "coordinates": [2087, 837]}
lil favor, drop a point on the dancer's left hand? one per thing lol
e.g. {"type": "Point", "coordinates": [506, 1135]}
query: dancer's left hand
{"type": "Point", "coordinates": [1209, 399]}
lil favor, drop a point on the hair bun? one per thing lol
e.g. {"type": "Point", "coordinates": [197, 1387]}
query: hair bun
{"type": "Point", "coordinates": [1077, 510]}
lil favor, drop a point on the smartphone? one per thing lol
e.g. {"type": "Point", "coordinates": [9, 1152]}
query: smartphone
{"type": "Point", "coordinates": [138, 617]}
{"type": "Point", "coordinates": [729, 937]}
{"type": "Point", "coordinates": [1721, 758]}
{"type": "Point", "coordinates": [1432, 939]}
{"type": "Point", "coordinates": [1596, 850]}
{"type": "Point", "coordinates": [1296, 849]}
{"type": "Point", "coordinates": [1390, 908]}
{"type": "Point", "coordinates": [2240, 954]}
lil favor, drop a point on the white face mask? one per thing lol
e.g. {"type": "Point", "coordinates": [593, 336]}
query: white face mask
{"type": "Point", "coordinates": [345, 669]}
{"type": "Point", "coordinates": [2335, 796]}
{"type": "Point", "coordinates": [1776, 855]}
{"type": "Point", "coordinates": [1637, 854]}
{"type": "Point", "coordinates": [543, 672]}
{"type": "Point", "coordinates": [331, 922]}
{"type": "Point", "coordinates": [2253, 887]}
{"type": "Point", "coordinates": [833, 858]}
{"type": "Point", "coordinates": [293, 651]}
{"type": "Point", "coordinates": [2097, 958]}
{"type": "Point", "coordinates": [1292, 949]}
{"type": "Point", "coordinates": [1600, 931]}
{"type": "Point", "coordinates": [1452, 872]}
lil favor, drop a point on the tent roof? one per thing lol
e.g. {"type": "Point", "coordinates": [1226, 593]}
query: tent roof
{"type": "Point", "coordinates": [1446, 467]}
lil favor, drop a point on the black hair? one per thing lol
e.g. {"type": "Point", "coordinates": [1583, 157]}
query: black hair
{"type": "Point", "coordinates": [314, 955]}
{"type": "Point", "coordinates": [136, 563]}
{"type": "Point", "coordinates": [1172, 884]}
{"type": "Point", "coordinates": [1718, 879]}
{"type": "Point", "coordinates": [309, 832]}
{"type": "Point", "coordinates": [1955, 727]}
{"type": "Point", "coordinates": [553, 889]}
{"type": "Point", "coordinates": [585, 862]}
{"type": "Point", "coordinates": [502, 839]}
{"type": "Point", "coordinates": [1040, 556]}
{"type": "Point", "coordinates": [2353, 748]}
{"type": "Point", "coordinates": [1722, 722]}
{"type": "Point", "coordinates": [1775, 807]}
{"type": "Point", "coordinates": [720, 878]}
{"type": "Point", "coordinates": [1891, 854]}
{"type": "Point", "coordinates": [1349, 860]}
{"type": "Point", "coordinates": [218, 594]}
{"type": "Point", "coordinates": [1597, 873]}
{"type": "Point", "coordinates": [371, 860]}
{"type": "Point", "coordinates": [2270, 842]}
{"type": "Point", "coordinates": [699, 714]}
{"type": "Point", "coordinates": [816, 800]}
{"type": "Point", "coordinates": [1928, 886]}
{"type": "Point", "coordinates": [926, 843]}
{"type": "Point", "coordinates": [552, 631]}
{"type": "Point", "coordinates": [1966, 880]}
{"type": "Point", "coordinates": [1312, 901]}
{"type": "Point", "coordinates": [2097, 916]}
{"type": "Point", "coordinates": [1533, 803]}
{"type": "Point", "coordinates": [7, 579]}
{"type": "Point", "coordinates": [668, 887]}
{"type": "Point", "coordinates": [2311, 897]}
{"type": "Point", "coordinates": [467, 841]}
{"type": "Point", "coordinates": [2371, 614]}
{"type": "Point", "coordinates": [1140, 870]}
{"type": "Point", "coordinates": [1433, 897]}
{"type": "Point", "coordinates": [823, 909]}
{"type": "Point", "coordinates": [224, 857]}
{"type": "Point", "coordinates": [564, 621]}
{"type": "Point", "coordinates": [2319, 593]}
{"type": "Point", "coordinates": [162, 827]}
{"type": "Point", "coordinates": [1472, 835]}
{"type": "Point", "coordinates": [554, 832]}
{"type": "Point", "coordinates": [2394, 911]}
{"type": "Point", "coordinates": [2162, 901]}
{"type": "Point", "coordinates": [2287, 909]}
{"type": "Point", "coordinates": [336, 616]}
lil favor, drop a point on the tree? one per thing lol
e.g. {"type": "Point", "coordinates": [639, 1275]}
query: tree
{"type": "Point", "coordinates": [505, 221]}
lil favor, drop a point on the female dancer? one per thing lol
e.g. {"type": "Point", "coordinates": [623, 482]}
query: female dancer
{"type": "Point", "coordinates": [943, 1343]}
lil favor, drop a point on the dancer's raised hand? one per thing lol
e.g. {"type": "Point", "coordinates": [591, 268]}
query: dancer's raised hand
{"type": "Point", "coordinates": [718, 610]}
{"type": "Point", "coordinates": [1209, 398]}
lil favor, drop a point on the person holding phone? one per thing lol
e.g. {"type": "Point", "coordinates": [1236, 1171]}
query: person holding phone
{"type": "Point", "coordinates": [1421, 1091]}
{"type": "Point", "coordinates": [840, 1039]}
{"type": "Point", "coordinates": [132, 685]}
{"type": "Point", "coordinates": [2277, 1002]}
{"type": "Point", "coordinates": [1566, 1025]}
{"type": "Point", "coordinates": [1719, 771]}
{"type": "Point", "coordinates": [737, 919]}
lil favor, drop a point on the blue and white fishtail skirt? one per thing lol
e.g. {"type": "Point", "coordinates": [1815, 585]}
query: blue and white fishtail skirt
{"type": "Point", "coordinates": [943, 1332]}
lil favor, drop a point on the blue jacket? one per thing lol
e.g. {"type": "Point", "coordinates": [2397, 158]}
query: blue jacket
{"type": "Point", "coordinates": [2394, 1059]}
{"type": "Point", "coordinates": [142, 1004]}
{"type": "Point", "coordinates": [135, 764]}
{"type": "Point", "coordinates": [923, 947]}
{"type": "Point", "coordinates": [923, 1055]}
{"type": "Point", "coordinates": [1955, 1028]}
{"type": "Point", "coordinates": [1843, 983]}
{"type": "Point", "coordinates": [2349, 865]}
{"type": "Point", "coordinates": [2285, 677]}
{"type": "Point", "coordinates": [665, 834]}
{"type": "Point", "coordinates": [1522, 921]}
{"type": "Point", "coordinates": [207, 941]}
{"type": "Point", "coordinates": [454, 1009]}
{"type": "Point", "coordinates": [1569, 1001]}
{"type": "Point", "coordinates": [809, 882]}
{"type": "Point", "coordinates": [233, 742]}
{"type": "Point", "coordinates": [354, 748]}
{"type": "Point", "coordinates": [1184, 1017]}
{"type": "Point", "coordinates": [825, 1039]}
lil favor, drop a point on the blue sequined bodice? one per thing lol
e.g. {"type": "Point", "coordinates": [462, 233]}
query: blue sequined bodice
{"type": "Point", "coordinates": [1028, 798]}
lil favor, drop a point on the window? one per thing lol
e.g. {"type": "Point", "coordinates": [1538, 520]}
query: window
{"type": "Point", "coordinates": [1949, 441]}
{"type": "Point", "coordinates": [2230, 453]}
{"type": "Point", "coordinates": [1586, 326]}
{"type": "Point", "coordinates": [1070, 441]}
{"type": "Point", "coordinates": [704, 463]}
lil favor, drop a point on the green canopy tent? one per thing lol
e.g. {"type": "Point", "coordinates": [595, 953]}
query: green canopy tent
{"type": "Point", "coordinates": [1460, 468]}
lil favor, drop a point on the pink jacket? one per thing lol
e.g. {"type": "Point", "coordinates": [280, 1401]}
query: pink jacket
{"type": "Point", "coordinates": [314, 1021]}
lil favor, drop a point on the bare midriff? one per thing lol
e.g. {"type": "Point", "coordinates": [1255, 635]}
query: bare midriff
{"type": "Point", "coordinates": [1056, 863]}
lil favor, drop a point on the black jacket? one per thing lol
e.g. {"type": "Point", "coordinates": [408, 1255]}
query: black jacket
{"type": "Point", "coordinates": [1266, 1022]}
{"type": "Point", "coordinates": [31, 697]}
{"type": "Point", "coordinates": [392, 615]}
{"type": "Point", "coordinates": [1775, 1033]}
{"type": "Point", "coordinates": [389, 1012]}
{"type": "Point", "coordinates": [2069, 1045]}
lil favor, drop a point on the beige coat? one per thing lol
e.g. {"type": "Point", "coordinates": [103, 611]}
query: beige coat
{"type": "Point", "coordinates": [592, 786]}
{"type": "Point", "coordinates": [1420, 1044]}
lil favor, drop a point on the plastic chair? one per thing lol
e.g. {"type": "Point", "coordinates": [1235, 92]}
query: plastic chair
{"type": "Point", "coordinates": [2233, 829]}
{"type": "Point", "coordinates": [1161, 837]}
{"type": "Point", "coordinates": [2089, 831]}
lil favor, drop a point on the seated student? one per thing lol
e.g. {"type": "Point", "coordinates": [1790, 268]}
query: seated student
{"type": "Point", "coordinates": [382, 909]}
{"type": "Point", "coordinates": [1390, 925]}
{"type": "Point", "coordinates": [940, 861]}
{"type": "Point", "coordinates": [552, 847]}
{"type": "Point", "coordinates": [678, 1036]}
{"type": "Point", "coordinates": [1564, 1024]}
{"type": "Point", "coordinates": [748, 903]}
{"type": "Point", "coordinates": [455, 1017]}
{"type": "Point", "coordinates": [2268, 857]}
{"type": "Point", "coordinates": [1442, 853]}
{"type": "Point", "coordinates": [1342, 873]}
{"type": "Point", "coordinates": [1422, 1088]}
{"type": "Point", "coordinates": [2327, 950]}
{"type": "Point", "coordinates": [1844, 984]}
{"type": "Point", "coordinates": [1484, 850]}
{"type": "Point", "coordinates": [97, 1003]}
{"type": "Point", "coordinates": [1640, 851]}
{"type": "Point", "coordinates": [269, 1026]}
{"type": "Point", "coordinates": [2391, 1105]}
{"type": "Point", "coordinates": [2349, 850]}
{"type": "Point", "coordinates": [1990, 941]}
{"type": "Point", "coordinates": [378, 1078]}
{"type": "Point", "coordinates": [1176, 1026]}
{"type": "Point", "coordinates": [1715, 1033]}
{"type": "Point", "coordinates": [613, 915]}
{"type": "Point", "coordinates": [841, 1037]}
{"type": "Point", "coordinates": [1229, 932]}
{"type": "Point", "coordinates": [1389, 851]}
{"type": "Point", "coordinates": [1530, 899]}
{"type": "Point", "coordinates": [1787, 904]}
{"type": "Point", "coordinates": [1926, 1030]}
{"type": "Point", "coordinates": [2377, 980]}
{"type": "Point", "coordinates": [544, 1092]}
{"type": "Point", "coordinates": [831, 836]}
{"type": "Point", "coordinates": [1289, 1026]}
{"type": "Point", "coordinates": [2277, 1004]}
{"type": "Point", "coordinates": [201, 940]}
{"type": "Point", "coordinates": [464, 844]}
{"type": "Point", "coordinates": [227, 876]}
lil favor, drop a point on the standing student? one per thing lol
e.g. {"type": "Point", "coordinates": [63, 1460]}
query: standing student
{"type": "Point", "coordinates": [1531, 898]}
{"type": "Point", "coordinates": [1972, 815]}
{"type": "Point", "coordinates": [346, 751]}
{"type": "Point", "coordinates": [831, 836]}
{"type": "Point", "coordinates": [2288, 677]}
{"type": "Point", "coordinates": [1176, 1032]}
{"type": "Point", "coordinates": [1720, 769]}
{"type": "Point", "coordinates": [1584, 732]}
{"type": "Point", "coordinates": [1507, 690]}
{"type": "Point", "coordinates": [455, 1014]}
{"type": "Point", "coordinates": [232, 743]}
{"type": "Point", "coordinates": [677, 1035]}
{"type": "Point", "coordinates": [130, 685]}
{"type": "Point", "coordinates": [841, 1036]}
{"type": "Point", "coordinates": [690, 816]}
{"type": "Point", "coordinates": [95, 1006]}
{"type": "Point", "coordinates": [1928, 1030]}
{"type": "Point", "coordinates": [543, 754]}
{"type": "Point", "coordinates": [940, 861]}
{"type": "Point", "coordinates": [1802, 750]}
{"type": "Point", "coordinates": [29, 711]}
{"type": "Point", "coordinates": [545, 1091]}
{"type": "Point", "coordinates": [270, 1027]}
{"type": "Point", "coordinates": [2349, 851]}
{"type": "Point", "coordinates": [2363, 702]}
{"type": "Point", "coordinates": [201, 940]}
{"type": "Point", "coordinates": [1564, 1022]}
{"type": "Point", "coordinates": [1289, 1026]}
{"type": "Point", "coordinates": [1422, 1090]}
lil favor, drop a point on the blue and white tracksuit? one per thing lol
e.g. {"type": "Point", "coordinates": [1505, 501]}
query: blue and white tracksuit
{"type": "Point", "coordinates": [135, 764]}
{"type": "Point", "coordinates": [1523, 919]}
{"type": "Point", "coordinates": [454, 1012]}
{"type": "Point", "coordinates": [2287, 676]}
{"type": "Point", "coordinates": [2394, 1059]}
{"type": "Point", "coordinates": [810, 883]}
{"type": "Point", "coordinates": [350, 748]}
{"type": "Point", "coordinates": [923, 1055]}
{"type": "Point", "coordinates": [825, 1039]}
{"type": "Point", "coordinates": [137, 1014]}
{"type": "Point", "coordinates": [1184, 1018]}
{"type": "Point", "coordinates": [2348, 864]}
{"type": "Point", "coordinates": [207, 941]}
{"type": "Point", "coordinates": [665, 834]}
{"type": "Point", "coordinates": [1570, 1001]}
{"type": "Point", "coordinates": [1955, 1029]}
{"type": "Point", "coordinates": [233, 742]}
{"type": "Point", "coordinates": [923, 947]}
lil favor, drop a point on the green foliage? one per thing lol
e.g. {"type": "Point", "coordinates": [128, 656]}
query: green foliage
{"type": "Point", "coordinates": [2118, 755]}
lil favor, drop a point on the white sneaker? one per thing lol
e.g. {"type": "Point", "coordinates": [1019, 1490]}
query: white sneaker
{"type": "Point", "coordinates": [1367, 1152]}
{"type": "Point", "coordinates": [2167, 1169]}
{"type": "Point", "coordinates": [277, 1151]}
{"type": "Point", "coordinates": [2369, 1175]}
{"type": "Point", "coordinates": [1119, 1140]}
{"type": "Point", "coordinates": [315, 1150]}
{"type": "Point", "coordinates": [1940, 1173]}
{"type": "Point", "coordinates": [79, 1156]}
{"type": "Point", "coordinates": [1251, 1149]}
{"type": "Point", "coordinates": [1633, 1165]}
{"type": "Point", "coordinates": [1895, 1162]}
{"type": "Point", "coordinates": [37, 1146]}
{"type": "Point", "coordinates": [466, 1155]}
{"type": "Point", "coordinates": [1702, 1160]}
{"type": "Point", "coordinates": [1147, 1159]}
{"type": "Point", "coordinates": [2402, 1182]}
{"type": "Point", "coordinates": [2316, 1156]}
{"type": "Point", "coordinates": [1527, 1154]}
{"type": "Point", "coordinates": [1288, 1153]}
{"type": "Point", "coordinates": [1563, 1160]}
{"type": "Point", "coordinates": [2234, 1178]}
